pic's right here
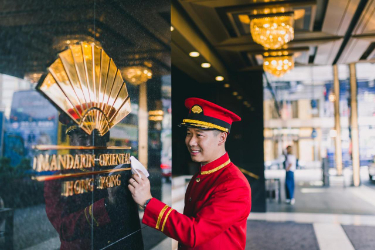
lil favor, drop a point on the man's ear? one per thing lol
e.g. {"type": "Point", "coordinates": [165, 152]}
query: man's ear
{"type": "Point", "coordinates": [222, 138]}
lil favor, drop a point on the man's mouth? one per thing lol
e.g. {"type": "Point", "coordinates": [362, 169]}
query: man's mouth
{"type": "Point", "coordinates": [194, 152]}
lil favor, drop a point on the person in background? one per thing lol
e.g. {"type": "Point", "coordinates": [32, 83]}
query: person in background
{"type": "Point", "coordinates": [290, 167]}
{"type": "Point", "coordinates": [218, 198]}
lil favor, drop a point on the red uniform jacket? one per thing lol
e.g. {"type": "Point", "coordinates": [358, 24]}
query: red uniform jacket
{"type": "Point", "coordinates": [217, 204]}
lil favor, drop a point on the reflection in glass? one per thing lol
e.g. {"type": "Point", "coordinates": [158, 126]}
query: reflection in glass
{"type": "Point", "coordinates": [92, 211]}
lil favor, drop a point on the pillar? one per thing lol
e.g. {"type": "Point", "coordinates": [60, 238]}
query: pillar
{"type": "Point", "coordinates": [143, 125]}
{"type": "Point", "coordinates": [353, 124]}
{"type": "Point", "coordinates": [336, 91]}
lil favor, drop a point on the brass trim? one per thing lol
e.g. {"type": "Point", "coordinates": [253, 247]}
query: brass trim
{"type": "Point", "coordinates": [165, 219]}
{"type": "Point", "coordinates": [63, 147]}
{"type": "Point", "coordinates": [216, 169]}
{"type": "Point", "coordinates": [61, 176]}
{"type": "Point", "coordinates": [207, 124]}
{"type": "Point", "coordinates": [161, 216]}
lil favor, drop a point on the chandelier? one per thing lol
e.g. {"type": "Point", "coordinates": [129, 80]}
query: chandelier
{"type": "Point", "coordinates": [136, 75]}
{"type": "Point", "coordinates": [62, 42]}
{"type": "Point", "coordinates": [272, 31]}
{"type": "Point", "coordinates": [279, 65]}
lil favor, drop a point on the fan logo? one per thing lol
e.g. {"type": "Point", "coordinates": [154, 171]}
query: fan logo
{"type": "Point", "coordinates": [86, 85]}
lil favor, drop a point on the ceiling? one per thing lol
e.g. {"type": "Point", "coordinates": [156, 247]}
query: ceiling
{"type": "Point", "coordinates": [131, 32]}
{"type": "Point", "coordinates": [327, 32]}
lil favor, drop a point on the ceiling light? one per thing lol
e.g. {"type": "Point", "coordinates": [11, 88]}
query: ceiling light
{"type": "Point", "coordinates": [157, 118]}
{"type": "Point", "coordinates": [33, 77]}
{"type": "Point", "coordinates": [239, 97]}
{"type": "Point", "coordinates": [226, 85]}
{"type": "Point", "coordinates": [272, 31]}
{"type": "Point", "coordinates": [156, 112]}
{"type": "Point", "coordinates": [278, 66]}
{"type": "Point", "coordinates": [206, 65]}
{"type": "Point", "coordinates": [172, 29]}
{"type": "Point", "coordinates": [136, 75]}
{"type": "Point", "coordinates": [194, 54]}
{"type": "Point", "coordinates": [235, 93]}
{"type": "Point", "coordinates": [219, 78]}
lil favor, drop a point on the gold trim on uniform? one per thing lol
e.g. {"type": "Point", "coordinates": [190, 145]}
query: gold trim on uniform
{"type": "Point", "coordinates": [215, 169]}
{"type": "Point", "coordinates": [165, 219]}
{"type": "Point", "coordinates": [91, 209]}
{"type": "Point", "coordinates": [88, 221]}
{"type": "Point", "coordinates": [161, 216]}
{"type": "Point", "coordinates": [204, 124]}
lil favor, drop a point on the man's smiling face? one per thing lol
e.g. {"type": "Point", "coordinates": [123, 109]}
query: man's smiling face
{"type": "Point", "coordinates": [204, 145]}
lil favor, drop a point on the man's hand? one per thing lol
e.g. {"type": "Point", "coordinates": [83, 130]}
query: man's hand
{"type": "Point", "coordinates": [140, 188]}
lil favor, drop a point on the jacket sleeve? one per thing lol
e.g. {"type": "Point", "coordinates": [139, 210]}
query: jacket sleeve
{"type": "Point", "coordinates": [230, 203]}
{"type": "Point", "coordinates": [72, 225]}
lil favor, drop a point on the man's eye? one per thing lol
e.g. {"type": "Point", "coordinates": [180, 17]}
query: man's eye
{"type": "Point", "coordinates": [200, 135]}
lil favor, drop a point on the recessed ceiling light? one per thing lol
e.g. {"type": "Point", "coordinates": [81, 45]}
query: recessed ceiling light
{"type": "Point", "coordinates": [219, 78]}
{"type": "Point", "coordinates": [194, 54]}
{"type": "Point", "coordinates": [235, 93]}
{"type": "Point", "coordinates": [206, 65]}
{"type": "Point", "coordinates": [172, 29]}
{"type": "Point", "coordinates": [239, 97]}
{"type": "Point", "coordinates": [226, 85]}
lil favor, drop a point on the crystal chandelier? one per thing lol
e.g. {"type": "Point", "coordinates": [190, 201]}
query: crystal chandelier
{"type": "Point", "coordinates": [272, 31]}
{"type": "Point", "coordinates": [136, 74]}
{"type": "Point", "coordinates": [62, 42]}
{"type": "Point", "coordinates": [279, 65]}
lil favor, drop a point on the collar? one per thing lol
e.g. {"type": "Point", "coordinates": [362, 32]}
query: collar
{"type": "Point", "coordinates": [215, 165]}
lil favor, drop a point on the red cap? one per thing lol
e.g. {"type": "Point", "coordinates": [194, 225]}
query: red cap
{"type": "Point", "coordinates": [208, 115]}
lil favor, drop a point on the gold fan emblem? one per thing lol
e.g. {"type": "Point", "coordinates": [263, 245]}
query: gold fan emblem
{"type": "Point", "coordinates": [196, 109]}
{"type": "Point", "coordinates": [85, 83]}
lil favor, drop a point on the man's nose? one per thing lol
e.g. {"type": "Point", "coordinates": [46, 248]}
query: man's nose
{"type": "Point", "coordinates": [192, 141]}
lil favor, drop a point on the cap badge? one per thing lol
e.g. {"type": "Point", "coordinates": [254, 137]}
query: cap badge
{"type": "Point", "coordinates": [196, 109]}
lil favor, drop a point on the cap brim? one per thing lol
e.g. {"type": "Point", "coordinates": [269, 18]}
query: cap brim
{"type": "Point", "coordinates": [200, 126]}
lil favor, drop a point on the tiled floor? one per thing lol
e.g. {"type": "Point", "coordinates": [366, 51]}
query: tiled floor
{"type": "Point", "coordinates": [362, 237]}
{"type": "Point", "coordinates": [311, 197]}
{"type": "Point", "coordinates": [335, 218]}
{"type": "Point", "coordinates": [280, 235]}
